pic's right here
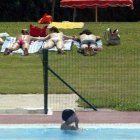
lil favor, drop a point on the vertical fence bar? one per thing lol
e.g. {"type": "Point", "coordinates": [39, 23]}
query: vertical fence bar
{"type": "Point", "coordinates": [45, 77]}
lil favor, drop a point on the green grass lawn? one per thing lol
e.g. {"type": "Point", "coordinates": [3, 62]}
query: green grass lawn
{"type": "Point", "coordinates": [110, 79]}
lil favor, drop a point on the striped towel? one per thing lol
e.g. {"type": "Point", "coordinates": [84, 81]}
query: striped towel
{"type": "Point", "coordinates": [34, 46]}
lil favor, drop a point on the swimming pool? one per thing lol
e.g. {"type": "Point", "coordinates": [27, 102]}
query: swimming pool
{"type": "Point", "coordinates": [52, 132]}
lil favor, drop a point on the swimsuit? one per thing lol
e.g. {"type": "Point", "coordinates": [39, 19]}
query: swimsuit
{"type": "Point", "coordinates": [20, 42]}
{"type": "Point", "coordinates": [89, 42]}
{"type": "Point", "coordinates": [55, 39]}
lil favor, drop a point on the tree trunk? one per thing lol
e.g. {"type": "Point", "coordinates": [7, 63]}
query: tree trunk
{"type": "Point", "coordinates": [53, 9]}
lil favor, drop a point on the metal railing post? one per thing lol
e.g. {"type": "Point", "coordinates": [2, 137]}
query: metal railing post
{"type": "Point", "coordinates": [70, 87]}
{"type": "Point", "coordinates": [45, 77]}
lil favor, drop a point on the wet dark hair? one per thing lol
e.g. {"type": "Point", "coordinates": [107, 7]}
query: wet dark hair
{"type": "Point", "coordinates": [67, 113]}
{"type": "Point", "coordinates": [24, 31]}
{"type": "Point", "coordinates": [86, 31]}
{"type": "Point", "coordinates": [54, 29]}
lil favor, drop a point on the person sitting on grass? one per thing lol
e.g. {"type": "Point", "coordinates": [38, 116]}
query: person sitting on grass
{"type": "Point", "coordinates": [55, 38]}
{"type": "Point", "coordinates": [22, 41]}
{"type": "Point", "coordinates": [69, 117]}
{"type": "Point", "coordinates": [88, 45]}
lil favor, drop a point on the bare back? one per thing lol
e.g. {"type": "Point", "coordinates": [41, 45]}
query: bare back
{"type": "Point", "coordinates": [26, 38]}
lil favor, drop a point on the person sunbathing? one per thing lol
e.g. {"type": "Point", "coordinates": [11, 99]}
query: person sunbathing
{"type": "Point", "coordinates": [88, 45]}
{"type": "Point", "coordinates": [22, 41]}
{"type": "Point", "coordinates": [56, 38]}
{"type": "Point", "coordinates": [69, 117]}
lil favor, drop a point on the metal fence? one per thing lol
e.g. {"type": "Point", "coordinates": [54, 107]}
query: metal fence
{"type": "Point", "coordinates": [108, 80]}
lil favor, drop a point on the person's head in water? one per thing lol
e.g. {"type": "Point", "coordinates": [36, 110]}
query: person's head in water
{"type": "Point", "coordinates": [86, 31]}
{"type": "Point", "coordinates": [54, 30]}
{"type": "Point", "coordinates": [66, 114]}
{"type": "Point", "coordinates": [25, 31]}
{"type": "Point", "coordinates": [69, 116]}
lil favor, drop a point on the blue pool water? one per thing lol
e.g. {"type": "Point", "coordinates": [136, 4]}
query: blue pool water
{"type": "Point", "coordinates": [48, 133]}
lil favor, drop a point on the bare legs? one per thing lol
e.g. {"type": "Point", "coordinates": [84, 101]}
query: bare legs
{"type": "Point", "coordinates": [15, 47]}
{"type": "Point", "coordinates": [59, 45]}
{"type": "Point", "coordinates": [87, 49]}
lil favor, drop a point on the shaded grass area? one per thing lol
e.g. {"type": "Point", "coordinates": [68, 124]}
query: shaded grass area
{"type": "Point", "coordinates": [108, 80]}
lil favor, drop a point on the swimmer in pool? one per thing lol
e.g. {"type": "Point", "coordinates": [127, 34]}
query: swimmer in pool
{"type": "Point", "coordinates": [70, 120]}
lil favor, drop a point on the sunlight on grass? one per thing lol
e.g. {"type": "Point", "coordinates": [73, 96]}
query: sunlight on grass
{"type": "Point", "coordinates": [108, 80]}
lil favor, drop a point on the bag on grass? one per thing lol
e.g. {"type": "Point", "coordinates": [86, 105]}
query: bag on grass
{"type": "Point", "coordinates": [112, 37]}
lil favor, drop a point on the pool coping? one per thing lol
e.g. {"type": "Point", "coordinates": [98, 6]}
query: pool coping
{"type": "Point", "coordinates": [85, 117]}
{"type": "Point", "coordinates": [81, 125]}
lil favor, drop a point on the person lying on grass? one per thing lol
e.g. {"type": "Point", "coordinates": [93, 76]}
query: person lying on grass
{"type": "Point", "coordinates": [88, 45]}
{"type": "Point", "coordinates": [69, 117]}
{"type": "Point", "coordinates": [55, 38]}
{"type": "Point", "coordinates": [22, 41]}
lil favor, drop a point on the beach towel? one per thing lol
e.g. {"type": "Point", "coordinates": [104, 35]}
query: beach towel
{"type": "Point", "coordinates": [9, 41]}
{"type": "Point", "coordinates": [34, 46]}
{"type": "Point", "coordinates": [67, 25]}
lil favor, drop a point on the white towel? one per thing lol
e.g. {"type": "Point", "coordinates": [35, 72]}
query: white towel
{"type": "Point", "coordinates": [8, 43]}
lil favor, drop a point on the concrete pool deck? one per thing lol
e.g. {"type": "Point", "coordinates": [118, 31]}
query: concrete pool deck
{"type": "Point", "coordinates": [10, 113]}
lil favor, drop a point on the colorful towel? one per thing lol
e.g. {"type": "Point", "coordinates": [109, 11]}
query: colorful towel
{"type": "Point", "coordinates": [66, 25]}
